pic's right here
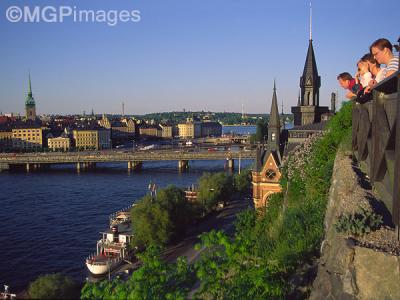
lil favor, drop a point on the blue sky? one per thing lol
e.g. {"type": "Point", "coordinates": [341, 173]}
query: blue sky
{"type": "Point", "coordinates": [185, 54]}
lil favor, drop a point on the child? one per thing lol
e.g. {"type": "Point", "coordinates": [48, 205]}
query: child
{"type": "Point", "coordinates": [374, 67]}
{"type": "Point", "coordinates": [363, 75]}
{"type": "Point", "coordinates": [378, 72]}
{"type": "Point", "coordinates": [347, 82]}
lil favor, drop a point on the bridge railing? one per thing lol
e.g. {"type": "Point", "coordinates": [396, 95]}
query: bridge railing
{"type": "Point", "coordinates": [376, 142]}
{"type": "Point", "coordinates": [123, 157]}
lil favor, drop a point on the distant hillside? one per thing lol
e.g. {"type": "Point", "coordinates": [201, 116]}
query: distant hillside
{"type": "Point", "coordinates": [226, 118]}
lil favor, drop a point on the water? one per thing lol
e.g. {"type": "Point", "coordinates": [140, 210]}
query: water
{"type": "Point", "coordinates": [251, 129]}
{"type": "Point", "coordinates": [51, 219]}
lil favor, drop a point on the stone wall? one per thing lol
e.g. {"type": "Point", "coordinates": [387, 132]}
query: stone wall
{"type": "Point", "coordinates": [346, 270]}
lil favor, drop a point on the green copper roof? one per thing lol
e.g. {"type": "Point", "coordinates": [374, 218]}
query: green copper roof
{"type": "Point", "coordinates": [29, 100]}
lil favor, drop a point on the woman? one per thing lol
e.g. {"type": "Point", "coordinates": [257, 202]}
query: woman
{"type": "Point", "coordinates": [382, 50]}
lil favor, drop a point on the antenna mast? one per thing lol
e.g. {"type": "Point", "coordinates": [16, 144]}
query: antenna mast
{"type": "Point", "coordinates": [310, 22]}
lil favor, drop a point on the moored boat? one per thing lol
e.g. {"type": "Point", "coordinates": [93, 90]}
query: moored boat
{"type": "Point", "coordinates": [114, 246]}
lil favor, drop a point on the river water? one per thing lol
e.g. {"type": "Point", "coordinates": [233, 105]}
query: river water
{"type": "Point", "coordinates": [51, 219]}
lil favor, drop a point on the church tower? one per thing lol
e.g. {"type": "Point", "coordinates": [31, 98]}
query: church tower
{"type": "Point", "coordinates": [310, 81]}
{"type": "Point", "coordinates": [274, 124]}
{"type": "Point", "coordinates": [308, 110]}
{"type": "Point", "coordinates": [30, 105]}
{"type": "Point", "coordinates": [266, 173]}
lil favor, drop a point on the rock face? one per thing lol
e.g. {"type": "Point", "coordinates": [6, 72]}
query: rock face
{"type": "Point", "coordinates": [377, 274]}
{"type": "Point", "coordinates": [345, 270]}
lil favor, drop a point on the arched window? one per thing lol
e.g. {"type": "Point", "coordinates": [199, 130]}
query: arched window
{"type": "Point", "coordinates": [273, 136]}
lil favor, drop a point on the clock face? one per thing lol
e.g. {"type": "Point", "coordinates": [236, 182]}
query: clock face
{"type": "Point", "coordinates": [270, 174]}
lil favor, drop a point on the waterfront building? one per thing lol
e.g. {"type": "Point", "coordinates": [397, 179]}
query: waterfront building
{"type": "Point", "coordinates": [104, 139]}
{"type": "Point", "coordinates": [266, 173]}
{"type": "Point", "coordinates": [121, 130]}
{"type": "Point", "coordinates": [166, 131]}
{"type": "Point", "coordinates": [85, 138]}
{"type": "Point", "coordinates": [61, 142]}
{"type": "Point", "coordinates": [92, 138]}
{"type": "Point", "coordinates": [150, 131]}
{"type": "Point", "coordinates": [30, 105]}
{"type": "Point", "coordinates": [5, 138]}
{"type": "Point", "coordinates": [211, 128]}
{"type": "Point", "coordinates": [27, 136]}
{"type": "Point", "coordinates": [190, 129]}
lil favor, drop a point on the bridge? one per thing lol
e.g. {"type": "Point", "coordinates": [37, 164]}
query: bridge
{"type": "Point", "coordinates": [134, 159]}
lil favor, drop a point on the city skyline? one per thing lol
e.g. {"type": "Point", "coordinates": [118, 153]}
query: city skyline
{"type": "Point", "coordinates": [193, 56]}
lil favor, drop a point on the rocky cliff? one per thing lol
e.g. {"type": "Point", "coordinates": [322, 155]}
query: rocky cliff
{"type": "Point", "coordinates": [352, 267]}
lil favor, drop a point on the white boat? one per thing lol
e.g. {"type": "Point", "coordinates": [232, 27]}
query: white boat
{"type": "Point", "coordinates": [113, 248]}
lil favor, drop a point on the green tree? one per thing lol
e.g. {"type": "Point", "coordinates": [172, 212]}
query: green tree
{"type": "Point", "coordinates": [150, 223]}
{"type": "Point", "coordinates": [261, 130]}
{"type": "Point", "coordinates": [53, 286]}
{"type": "Point", "coordinates": [161, 219]}
{"type": "Point", "coordinates": [180, 211]}
{"type": "Point", "coordinates": [242, 181]}
{"type": "Point", "coordinates": [155, 279]}
{"type": "Point", "coordinates": [214, 188]}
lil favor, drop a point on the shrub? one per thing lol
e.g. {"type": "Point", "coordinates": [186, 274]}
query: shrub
{"type": "Point", "coordinates": [53, 286]}
{"type": "Point", "coordinates": [359, 223]}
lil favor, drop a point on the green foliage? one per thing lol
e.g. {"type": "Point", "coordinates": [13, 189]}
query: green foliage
{"type": "Point", "coordinates": [340, 124]}
{"type": "Point", "coordinates": [269, 245]}
{"type": "Point", "coordinates": [53, 286]}
{"type": "Point", "coordinates": [150, 223]}
{"type": "Point", "coordinates": [161, 219]}
{"type": "Point", "coordinates": [165, 217]}
{"type": "Point", "coordinates": [226, 118]}
{"type": "Point", "coordinates": [253, 139]}
{"type": "Point", "coordinates": [261, 131]}
{"type": "Point", "coordinates": [359, 223]}
{"type": "Point", "coordinates": [155, 279]}
{"type": "Point", "coordinates": [229, 270]}
{"type": "Point", "coordinates": [180, 211]}
{"type": "Point", "coordinates": [214, 188]}
{"type": "Point", "coordinates": [242, 181]}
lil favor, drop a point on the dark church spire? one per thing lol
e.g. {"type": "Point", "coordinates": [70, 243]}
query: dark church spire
{"type": "Point", "coordinates": [310, 82]}
{"type": "Point", "coordinates": [274, 124]}
{"type": "Point", "coordinates": [274, 120]}
{"type": "Point", "coordinates": [308, 110]}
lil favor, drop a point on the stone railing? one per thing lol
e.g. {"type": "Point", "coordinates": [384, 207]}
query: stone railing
{"type": "Point", "coordinates": [376, 142]}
